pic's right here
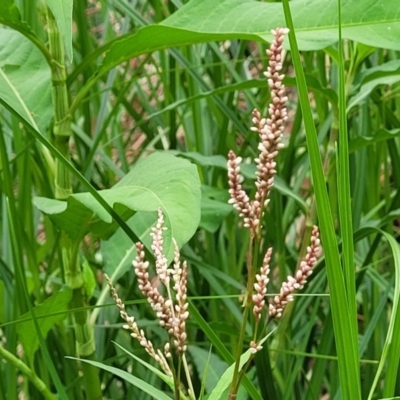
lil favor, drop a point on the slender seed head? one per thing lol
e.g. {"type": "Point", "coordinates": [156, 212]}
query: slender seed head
{"type": "Point", "coordinates": [297, 282]}
{"type": "Point", "coordinates": [270, 132]}
{"type": "Point", "coordinates": [260, 286]}
{"type": "Point", "coordinates": [137, 333]}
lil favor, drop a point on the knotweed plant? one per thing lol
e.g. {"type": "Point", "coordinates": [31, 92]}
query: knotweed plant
{"type": "Point", "coordinates": [171, 309]}
{"type": "Point", "coordinates": [270, 132]}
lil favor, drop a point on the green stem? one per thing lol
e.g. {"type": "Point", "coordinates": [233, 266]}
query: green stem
{"type": "Point", "coordinates": [252, 260]}
{"type": "Point", "coordinates": [36, 381]}
{"type": "Point", "coordinates": [85, 345]}
{"type": "Point", "coordinates": [178, 380]}
{"type": "Point", "coordinates": [62, 120]}
{"type": "Point", "coordinates": [188, 378]}
{"type": "Point", "coordinates": [73, 275]}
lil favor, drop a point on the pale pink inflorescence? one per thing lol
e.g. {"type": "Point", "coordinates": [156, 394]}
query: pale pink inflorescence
{"type": "Point", "coordinates": [137, 333]}
{"type": "Point", "coordinates": [172, 314]}
{"type": "Point", "coordinates": [299, 280]}
{"type": "Point", "coordinates": [181, 312]}
{"type": "Point", "coordinates": [260, 286]}
{"type": "Point", "coordinates": [161, 307]}
{"type": "Point", "coordinates": [158, 250]}
{"type": "Point", "coordinates": [270, 132]}
{"type": "Point", "coordinates": [239, 198]}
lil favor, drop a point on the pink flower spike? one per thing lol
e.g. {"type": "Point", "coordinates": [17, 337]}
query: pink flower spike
{"type": "Point", "coordinates": [270, 131]}
{"type": "Point", "coordinates": [260, 286]}
{"type": "Point", "coordinates": [299, 280]}
{"type": "Point", "coordinates": [157, 247]}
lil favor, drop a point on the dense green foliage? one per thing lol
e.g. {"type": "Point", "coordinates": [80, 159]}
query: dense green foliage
{"type": "Point", "coordinates": [112, 109]}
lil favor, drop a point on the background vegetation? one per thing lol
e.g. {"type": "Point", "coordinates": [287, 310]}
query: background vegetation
{"type": "Point", "coordinates": [153, 96]}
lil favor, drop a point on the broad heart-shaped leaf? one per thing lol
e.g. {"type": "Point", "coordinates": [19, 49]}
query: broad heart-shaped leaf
{"type": "Point", "coordinates": [24, 79]}
{"type": "Point", "coordinates": [55, 304]}
{"type": "Point", "coordinates": [62, 11]}
{"type": "Point", "coordinates": [119, 251]}
{"type": "Point", "coordinates": [160, 180]}
{"type": "Point", "coordinates": [372, 22]}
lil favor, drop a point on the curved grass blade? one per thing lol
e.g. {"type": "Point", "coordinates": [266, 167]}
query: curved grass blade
{"type": "Point", "coordinates": [391, 349]}
{"type": "Point", "coordinates": [139, 383]}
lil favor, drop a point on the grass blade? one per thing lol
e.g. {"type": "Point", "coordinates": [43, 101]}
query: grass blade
{"type": "Point", "coordinates": [342, 324]}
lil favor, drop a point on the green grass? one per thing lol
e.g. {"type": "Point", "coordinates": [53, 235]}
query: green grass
{"type": "Point", "coordinates": [187, 87]}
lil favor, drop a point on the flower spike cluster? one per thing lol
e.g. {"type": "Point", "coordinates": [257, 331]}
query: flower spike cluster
{"type": "Point", "coordinates": [157, 302]}
{"type": "Point", "coordinates": [137, 333]}
{"type": "Point", "coordinates": [157, 247]}
{"type": "Point", "coordinates": [181, 312]}
{"type": "Point", "coordinates": [279, 302]}
{"type": "Point", "coordinates": [300, 278]}
{"type": "Point", "coordinates": [270, 132]}
{"type": "Point", "coordinates": [172, 313]}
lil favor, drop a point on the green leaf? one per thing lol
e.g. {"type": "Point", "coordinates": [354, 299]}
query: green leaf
{"type": "Point", "coordinates": [10, 16]}
{"type": "Point", "coordinates": [9, 13]}
{"type": "Point", "coordinates": [213, 212]}
{"type": "Point", "coordinates": [391, 67]}
{"type": "Point", "coordinates": [119, 251]}
{"type": "Point", "coordinates": [374, 23]}
{"type": "Point", "coordinates": [24, 79]}
{"type": "Point", "coordinates": [209, 363]}
{"type": "Point", "coordinates": [247, 170]}
{"type": "Point", "coordinates": [160, 180]}
{"type": "Point", "coordinates": [227, 376]}
{"type": "Point", "coordinates": [343, 323]}
{"type": "Point", "coordinates": [391, 349]}
{"type": "Point", "coordinates": [370, 22]}
{"type": "Point", "coordinates": [62, 11]}
{"type": "Point", "coordinates": [139, 383]}
{"type": "Point", "coordinates": [205, 161]}
{"type": "Point", "coordinates": [386, 74]}
{"type": "Point", "coordinates": [55, 304]}
{"type": "Point", "coordinates": [391, 398]}
{"type": "Point", "coordinates": [380, 136]}
{"type": "Point", "coordinates": [89, 280]}
{"type": "Point", "coordinates": [167, 379]}
{"type": "Point", "coordinates": [182, 217]}
{"type": "Point", "coordinates": [220, 347]}
{"type": "Point", "coordinates": [345, 213]}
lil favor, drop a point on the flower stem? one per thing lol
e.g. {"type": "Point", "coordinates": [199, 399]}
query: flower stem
{"type": "Point", "coordinates": [252, 260]}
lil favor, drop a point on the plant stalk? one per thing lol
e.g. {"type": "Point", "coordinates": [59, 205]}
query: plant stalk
{"type": "Point", "coordinates": [252, 259]}
{"type": "Point", "coordinates": [25, 370]}
{"type": "Point", "coordinates": [84, 336]}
